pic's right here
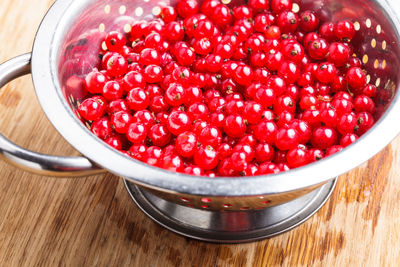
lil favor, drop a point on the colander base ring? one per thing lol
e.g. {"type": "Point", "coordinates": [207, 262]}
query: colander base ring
{"type": "Point", "coordinates": [230, 227]}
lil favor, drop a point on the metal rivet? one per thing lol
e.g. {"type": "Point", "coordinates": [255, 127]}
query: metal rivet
{"type": "Point", "coordinates": [156, 11]}
{"type": "Point", "coordinates": [373, 43]}
{"type": "Point", "coordinates": [122, 10]}
{"type": "Point", "coordinates": [127, 28]}
{"type": "Point", "coordinates": [107, 9]}
{"type": "Point", "coordinates": [357, 26]}
{"type": "Point", "coordinates": [378, 29]}
{"type": "Point", "coordinates": [376, 63]}
{"type": "Point", "coordinates": [365, 59]}
{"type": "Point", "coordinates": [295, 8]}
{"type": "Point", "coordinates": [139, 11]}
{"type": "Point", "coordinates": [383, 64]}
{"type": "Point", "coordinates": [368, 23]}
{"type": "Point", "coordinates": [378, 82]}
{"type": "Point", "coordinates": [384, 45]}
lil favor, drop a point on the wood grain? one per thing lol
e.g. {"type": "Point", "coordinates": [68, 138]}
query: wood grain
{"type": "Point", "coordinates": [81, 222]}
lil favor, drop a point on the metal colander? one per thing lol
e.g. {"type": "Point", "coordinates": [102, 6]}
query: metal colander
{"type": "Point", "coordinates": [65, 49]}
{"type": "Point", "coordinates": [374, 47]}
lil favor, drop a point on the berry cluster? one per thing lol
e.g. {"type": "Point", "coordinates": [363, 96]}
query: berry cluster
{"type": "Point", "coordinates": [219, 91]}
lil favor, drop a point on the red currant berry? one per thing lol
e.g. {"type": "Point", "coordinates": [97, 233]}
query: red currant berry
{"type": "Point", "coordinates": [95, 81]}
{"type": "Point", "coordinates": [206, 157]}
{"type": "Point", "coordinates": [112, 90]}
{"type": "Point", "coordinates": [265, 131]}
{"type": "Point", "coordinates": [186, 144]}
{"type": "Point", "coordinates": [178, 122]}
{"type": "Point", "coordinates": [159, 135]}
{"type": "Point", "coordinates": [137, 99]}
{"type": "Point", "coordinates": [92, 108]}
{"type": "Point", "coordinates": [115, 41]}
{"type": "Point", "coordinates": [344, 30]}
{"type": "Point", "coordinates": [356, 78]}
{"type": "Point", "coordinates": [324, 137]}
{"type": "Point", "coordinates": [120, 121]}
{"type": "Point", "coordinates": [187, 8]}
{"type": "Point", "coordinates": [235, 126]}
{"type": "Point", "coordinates": [308, 21]}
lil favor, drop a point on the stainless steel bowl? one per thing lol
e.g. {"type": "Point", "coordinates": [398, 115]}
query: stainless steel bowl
{"type": "Point", "coordinates": [200, 207]}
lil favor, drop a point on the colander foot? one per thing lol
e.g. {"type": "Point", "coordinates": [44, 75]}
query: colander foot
{"type": "Point", "coordinates": [230, 227]}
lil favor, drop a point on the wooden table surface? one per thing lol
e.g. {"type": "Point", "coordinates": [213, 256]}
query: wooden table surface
{"type": "Point", "coordinates": [92, 221]}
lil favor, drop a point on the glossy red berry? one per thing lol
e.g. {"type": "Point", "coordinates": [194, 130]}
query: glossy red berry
{"type": "Point", "coordinates": [117, 65]}
{"type": "Point", "coordinates": [356, 78]}
{"type": "Point", "coordinates": [92, 108]}
{"type": "Point", "coordinates": [326, 72]}
{"type": "Point", "coordinates": [308, 21]}
{"type": "Point", "coordinates": [318, 49]}
{"type": "Point", "coordinates": [178, 122]}
{"type": "Point", "coordinates": [112, 90]}
{"type": "Point", "coordinates": [136, 133]}
{"type": "Point", "coordinates": [206, 157]}
{"type": "Point", "coordinates": [339, 54]}
{"type": "Point", "coordinates": [235, 126]}
{"type": "Point", "coordinates": [324, 137]}
{"type": "Point", "coordinates": [120, 121]}
{"type": "Point", "coordinates": [278, 6]}
{"type": "Point", "coordinates": [175, 95]}
{"type": "Point", "coordinates": [95, 81]}
{"type": "Point", "coordinates": [168, 14]}
{"type": "Point", "coordinates": [115, 41]}
{"type": "Point", "coordinates": [159, 135]}
{"type": "Point", "coordinates": [297, 157]}
{"type": "Point", "coordinates": [344, 30]}
{"type": "Point", "coordinates": [137, 99]}
{"type": "Point", "coordinates": [186, 144]}
{"type": "Point", "coordinates": [187, 8]}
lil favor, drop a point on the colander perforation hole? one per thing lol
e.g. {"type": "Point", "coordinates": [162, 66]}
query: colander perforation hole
{"type": "Point", "coordinates": [107, 9]}
{"type": "Point", "coordinates": [368, 23]}
{"type": "Point", "coordinates": [127, 28]}
{"type": "Point", "coordinates": [139, 11]}
{"type": "Point", "coordinates": [185, 200]}
{"type": "Point", "coordinates": [156, 11]}
{"type": "Point", "coordinates": [378, 82]}
{"type": "Point", "coordinates": [373, 43]}
{"type": "Point", "coordinates": [226, 206]}
{"type": "Point", "coordinates": [357, 25]}
{"type": "Point", "coordinates": [295, 8]}
{"type": "Point", "coordinates": [205, 200]}
{"type": "Point", "coordinates": [205, 206]}
{"type": "Point", "coordinates": [384, 45]}
{"type": "Point", "coordinates": [122, 10]}
{"type": "Point", "coordinates": [376, 63]}
{"type": "Point", "coordinates": [365, 59]}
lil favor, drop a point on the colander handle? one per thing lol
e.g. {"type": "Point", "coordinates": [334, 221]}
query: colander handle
{"type": "Point", "coordinates": [31, 161]}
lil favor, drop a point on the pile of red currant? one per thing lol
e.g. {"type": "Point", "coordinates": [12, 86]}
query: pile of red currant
{"type": "Point", "coordinates": [208, 89]}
